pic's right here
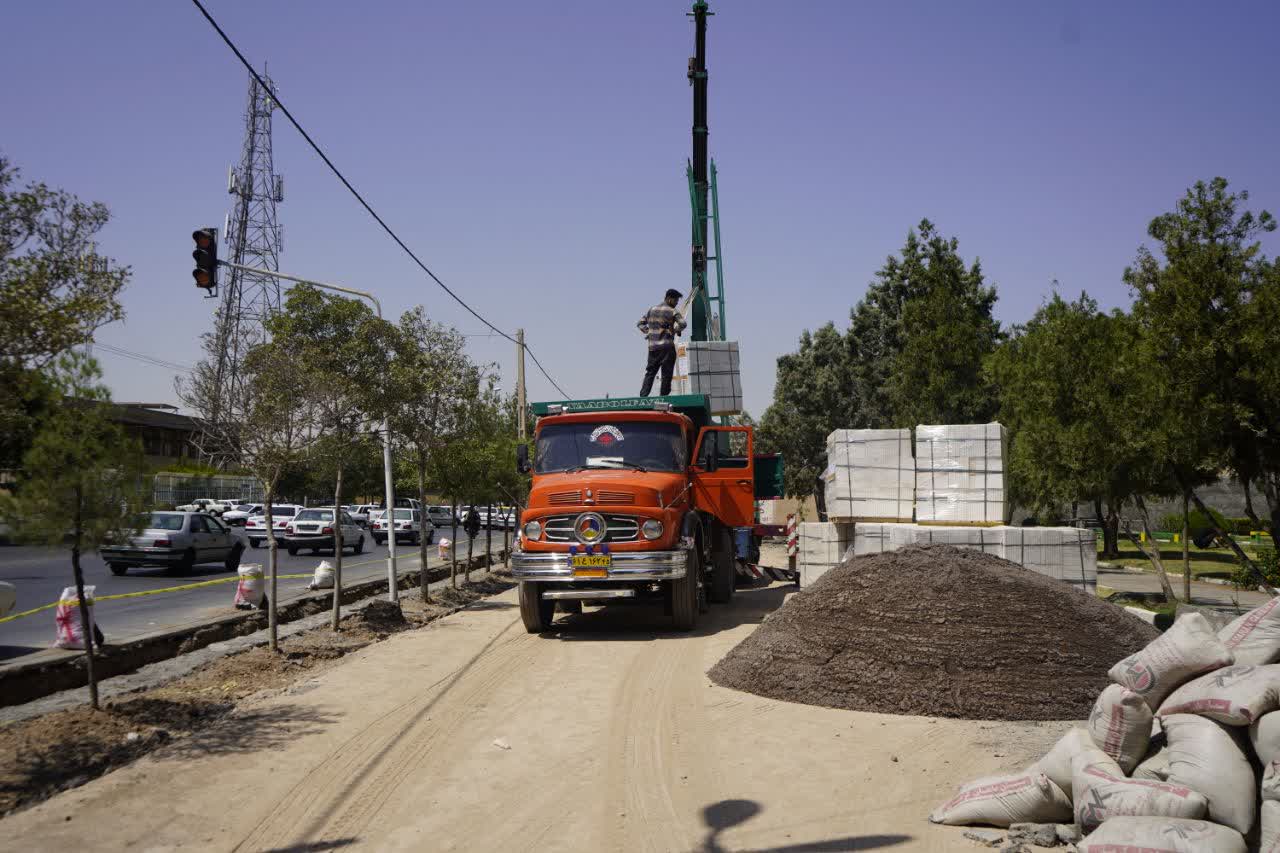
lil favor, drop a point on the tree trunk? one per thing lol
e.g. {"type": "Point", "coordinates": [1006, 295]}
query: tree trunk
{"type": "Point", "coordinates": [488, 540]}
{"type": "Point", "coordinates": [1186, 546]}
{"type": "Point", "coordinates": [86, 629]}
{"type": "Point", "coordinates": [453, 547]}
{"type": "Point", "coordinates": [423, 568]}
{"type": "Point", "coordinates": [337, 548]}
{"type": "Point", "coordinates": [1104, 522]}
{"type": "Point", "coordinates": [1153, 551]}
{"type": "Point", "coordinates": [1239, 552]}
{"type": "Point", "coordinates": [273, 548]}
{"type": "Point", "coordinates": [1271, 491]}
{"type": "Point", "coordinates": [506, 537]}
{"type": "Point", "coordinates": [471, 546]}
{"type": "Point", "coordinates": [1248, 503]}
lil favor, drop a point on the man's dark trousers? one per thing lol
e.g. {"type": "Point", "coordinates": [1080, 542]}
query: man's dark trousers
{"type": "Point", "coordinates": [660, 358]}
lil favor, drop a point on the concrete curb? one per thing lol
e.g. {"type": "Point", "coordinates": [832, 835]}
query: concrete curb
{"type": "Point", "coordinates": [22, 683]}
{"type": "Point", "coordinates": [1135, 571]}
{"type": "Point", "coordinates": [1145, 615]}
{"type": "Point", "coordinates": [161, 672]}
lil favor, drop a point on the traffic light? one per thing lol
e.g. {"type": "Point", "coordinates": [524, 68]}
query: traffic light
{"type": "Point", "coordinates": [206, 258]}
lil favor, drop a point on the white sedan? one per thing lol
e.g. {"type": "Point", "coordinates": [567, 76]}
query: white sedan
{"type": "Point", "coordinates": [409, 526]}
{"type": "Point", "coordinates": [313, 528]}
{"type": "Point", "coordinates": [255, 527]}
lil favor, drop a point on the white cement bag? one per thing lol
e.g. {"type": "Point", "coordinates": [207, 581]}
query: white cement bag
{"type": "Point", "coordinates": [1057, 762]}
{"type": "Point", "coordinates": [1162, 835]}
{"type": "Point", "coordinates": [1271, 781]}
{"type": "Point", "coordinates": [443, 547]}
{"type": "Point", "coordinates": [1155, 767]}
{"type": "Point", "coordinates": [1001, 800]}
{"type": "Point", "coordinates": [1269, 837]}
{"type": "Point", "coordinates": [1265, 737]}
{"type": "Point", "coordinates": [1188, 649]}
{"type": "Point", "coordinates": [70, 632]}
{"type": "Point", "coordinates": [1101, 795]}
{"type": "Point", "coordinates": [1254, 638]}
{"type": "Point", "coordinates": [251, 590]}
{"type": "Point", "coordinates": [1205, 756]}
{"type": "Point", "coordinates": [323, 577]}
{"type": "Point", "coordinates": [1120, 724]}
{"type": "Point", "coordinates": [1234, 695]}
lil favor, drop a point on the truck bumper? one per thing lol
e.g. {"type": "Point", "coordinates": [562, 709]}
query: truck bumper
{"type": "Point", "coordinates": [627, 566]}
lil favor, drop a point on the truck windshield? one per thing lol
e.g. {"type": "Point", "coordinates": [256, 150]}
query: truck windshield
{"type": "Point", "coordinates": [645, 445]}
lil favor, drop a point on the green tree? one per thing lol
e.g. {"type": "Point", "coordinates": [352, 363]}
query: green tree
{"type": "Point", "coordinates": [434, 382]}
{"type": "Point", "coordinates": [56, 290]}
{"type": "Point", "coordinates": [85, 479]}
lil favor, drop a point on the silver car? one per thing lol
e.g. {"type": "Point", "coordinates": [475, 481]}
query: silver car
{"type": "Point", "coordinates": [177, 541]}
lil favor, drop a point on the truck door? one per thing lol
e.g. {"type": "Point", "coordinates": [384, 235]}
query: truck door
{"type": "Point", "coordinates": [725, 486]}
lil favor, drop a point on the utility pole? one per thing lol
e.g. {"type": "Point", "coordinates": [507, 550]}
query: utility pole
{"type": "Point", "coordinates": [520, 392]}
{"type": "Point", "coordinates": [698, 320]}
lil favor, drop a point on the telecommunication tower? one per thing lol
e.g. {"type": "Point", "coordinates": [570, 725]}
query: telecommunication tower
{"type": "Point", "coordinates": [252, 236]}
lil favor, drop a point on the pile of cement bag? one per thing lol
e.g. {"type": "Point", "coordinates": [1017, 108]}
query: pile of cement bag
{"type": "Point", "coordinates": [1181, 753]}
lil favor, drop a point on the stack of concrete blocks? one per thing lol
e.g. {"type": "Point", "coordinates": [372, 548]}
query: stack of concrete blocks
{"type": "Point", "coordinates": [870, 474]}
{"type": "Point", "coordinates": [1067, 554]}
{"type": "Point", "coordinates": [822, 545]}
{"type": "Point", "coordinates": [711, 368]}
{"type": "Point", "coordinates": [960, 474]}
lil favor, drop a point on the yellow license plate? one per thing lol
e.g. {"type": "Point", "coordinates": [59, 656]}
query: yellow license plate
{"type": "Point", "coordinates": [590, 565]}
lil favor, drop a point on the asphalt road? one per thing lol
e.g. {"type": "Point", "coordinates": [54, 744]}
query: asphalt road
{"type": "Point", "coordinates": [40, 575]}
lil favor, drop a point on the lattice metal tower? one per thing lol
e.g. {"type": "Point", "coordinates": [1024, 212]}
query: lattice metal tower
{"type": "Point", "coordinates": [252, 236]}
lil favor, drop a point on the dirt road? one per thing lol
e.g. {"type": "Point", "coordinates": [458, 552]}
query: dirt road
{"type": "Point", "coordinates": [617, 741]}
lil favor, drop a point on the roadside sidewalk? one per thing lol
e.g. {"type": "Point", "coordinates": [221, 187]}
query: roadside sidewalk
{"type": "Point", "coordinates": [1219, 597]}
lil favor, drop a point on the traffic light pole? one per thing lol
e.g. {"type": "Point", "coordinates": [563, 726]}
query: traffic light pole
{"type": "Point", "coordinates": [393, 592]}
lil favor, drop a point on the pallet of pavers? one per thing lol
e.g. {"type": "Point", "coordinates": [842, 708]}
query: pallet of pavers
{"type": "Point", "coordinates": [870, 475]}
{"type": "Point", "coordinates": [822, 545]}
{"type": "Point", "coordinates": [1068, 554]}
{"type": "Point", "coordinates": [960, 474]}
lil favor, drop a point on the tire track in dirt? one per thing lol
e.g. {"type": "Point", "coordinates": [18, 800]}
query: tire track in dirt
{"type": "Point", "coordinates": [367, 768]}
{"type": "Point", "coordinates": [659, 759]}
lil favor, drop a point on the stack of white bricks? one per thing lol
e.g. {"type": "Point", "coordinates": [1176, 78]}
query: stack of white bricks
{"type": "Point", "coordinates": [960, 473]}
{"type": "Point", "coordinates": [822, 545]}
{"type": "Point", "coordinates": [870, 475]}
{"type": "Point", "coordinates": [1067, 554]}
{"type": "Point", "coordinates": [711, 368]}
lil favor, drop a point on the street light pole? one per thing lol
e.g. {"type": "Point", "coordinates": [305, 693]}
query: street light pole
{"type": "Point", "coordinates": [393, 592]}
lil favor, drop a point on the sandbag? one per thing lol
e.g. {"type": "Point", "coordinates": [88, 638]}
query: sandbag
{"type": "Point", "coordinates": [1186, 650]}
{"type": "Point", "coordinates": [250, 591]}
{"type": "Point", "coordinates": [1057, 762]}
{"type": "Point", "coordinates": [1254, 638]}
{"type": "Point", "coordinates": [1101, 795]}
{"type": "Point", "coordinates": [1001, 800]}
{"type": "Point", "coordinates": [1120, 725]}
{"type": "Point", "coordinates": [70, 633]}
{"type": "Point", "coordinates": [1205, 756]}
{"type": "Point", "coordinates": [1269, 836]}
{"type": "Point", "coordinates": [1265, 737]}
{"type": "Point", "coordinates": [1234, 695]}
{"type": "Point", "coordinates": [444, 547]}
{"type": "Point", "coordinates": [1270, 787]}
{"type": "Point", "coordinates": [1162, 835]}
{"type": "Point", "coordinates": [323, 576]}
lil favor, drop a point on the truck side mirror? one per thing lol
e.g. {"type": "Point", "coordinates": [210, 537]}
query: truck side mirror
{"type": "Point", "coordinates": [522, 458]}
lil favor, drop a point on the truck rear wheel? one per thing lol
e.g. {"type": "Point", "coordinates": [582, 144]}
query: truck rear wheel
{"type": "Point", "coordinates": [723, 571]}
{"type": "Point", "coordinates": [684, 595]}
{"type": "Point", "coordinates": [534, 611]}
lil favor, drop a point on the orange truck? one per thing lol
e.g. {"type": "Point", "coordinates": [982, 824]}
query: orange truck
{"type": "Point", "coordinates": [635, 500]}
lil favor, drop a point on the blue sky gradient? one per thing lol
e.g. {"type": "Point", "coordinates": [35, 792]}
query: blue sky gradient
{"type": "Point", "coordinates": [533, 153]}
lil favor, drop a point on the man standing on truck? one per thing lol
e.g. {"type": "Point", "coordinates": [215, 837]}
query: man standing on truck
{"type": "Point", "coordinates": [660, 325]}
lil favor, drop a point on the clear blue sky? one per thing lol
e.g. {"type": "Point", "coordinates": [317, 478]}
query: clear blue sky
{"type": "Point", "coordinates": [533, 153]}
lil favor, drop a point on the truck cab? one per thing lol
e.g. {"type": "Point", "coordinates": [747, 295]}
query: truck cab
{"type": "Point", "coordinates": [632, 499]}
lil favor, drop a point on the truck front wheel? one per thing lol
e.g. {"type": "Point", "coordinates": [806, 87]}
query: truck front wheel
{"type": "Point", "coordinates": [534, 611]}
{"type": "Point", "coordinates": [723, 571]}
{"type": "Point", "coordinates": [684, 595]}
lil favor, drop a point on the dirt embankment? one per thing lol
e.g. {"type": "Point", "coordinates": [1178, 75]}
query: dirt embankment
{"type": "Point", "coordinates": [937, 631]}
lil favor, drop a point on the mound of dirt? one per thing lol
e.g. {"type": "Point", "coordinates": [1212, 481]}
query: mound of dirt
{"type": "Point", "coordinates": [937, 631]}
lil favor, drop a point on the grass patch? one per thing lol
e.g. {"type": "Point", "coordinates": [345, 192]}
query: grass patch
{"type": "Point", "coordinates": [1205, 563]}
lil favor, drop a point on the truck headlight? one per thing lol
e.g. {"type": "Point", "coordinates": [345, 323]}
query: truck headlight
{"type": "Point", "coordinates": [651, 529]}
{"type": "Point", "coordinates": [533, 530]}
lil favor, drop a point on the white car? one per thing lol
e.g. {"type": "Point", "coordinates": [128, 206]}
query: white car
{"type": "Point", "coordinates": [440, 516]}
{"type": "Point", "coordinates": [313, 528]}
{"type": "Point", "coordinates": [238, 515]}
{"type": "Point", "coordinates": [255, 527]}
{"type": "Point", "coordinates": [213, 506]}
{"type": "Point", "coordinates": [409, 526]}
{"type": "Point", "coordinates": [363, 513]}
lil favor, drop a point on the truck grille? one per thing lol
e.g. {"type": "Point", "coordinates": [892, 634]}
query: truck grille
{"type": "Point", "coordinates": [615, 497]}
{"type": "Point", "coordinates": [621, 528]}
{"type": "Point", "coordinates": [565, 498]}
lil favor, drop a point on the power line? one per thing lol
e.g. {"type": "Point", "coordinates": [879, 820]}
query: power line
{"type": "Point", "coordinates": [137, 356]}
{"type": "Point", "coordinates": [385, 227]}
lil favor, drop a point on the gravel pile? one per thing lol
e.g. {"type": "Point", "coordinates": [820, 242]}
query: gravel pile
{"type": "Point", "coordinates": [937, 631]}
